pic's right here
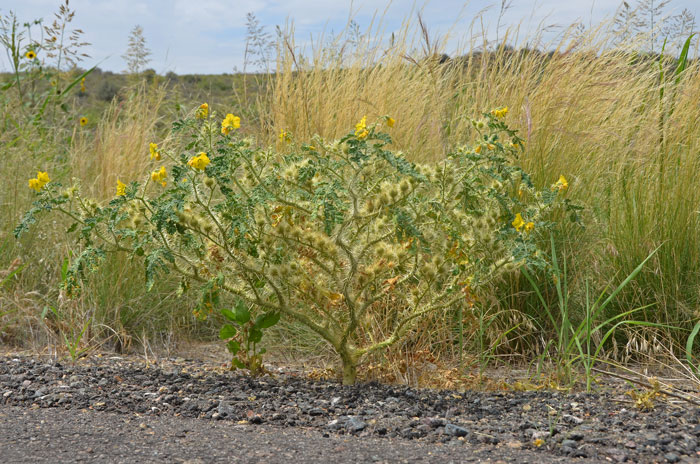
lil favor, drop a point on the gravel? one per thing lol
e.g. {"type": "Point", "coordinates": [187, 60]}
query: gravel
{"type": "Point", "coordinates": [600, 427]}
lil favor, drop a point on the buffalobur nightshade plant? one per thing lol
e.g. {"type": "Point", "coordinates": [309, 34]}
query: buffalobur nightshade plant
{"type": "Point", "coordinates": [321, 234]}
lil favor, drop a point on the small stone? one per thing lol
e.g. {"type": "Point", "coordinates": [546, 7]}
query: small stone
{"type": "Point", "coordinates": [569, 443]}
{"type": "Point", "coordinates": [224, 409]}
{"type": "Point", "coordinates": [354, 424]}
{"type": "Point", "coordinates": [315, 412]}
{"type": "Point", "coordinates": [576, 436]}
{"type": "Point", "coordinates": [572, 419]}
{"type": "Point", "coordinates": [672, 457]}
{"type": "Point", "coordinates": [455, 430]}
{"type": "Point", "coordinates": [630, 444]}
{"type": "Point", "coordinates": [539, 434]}
{"type": "Point", "coordinates": [515, 444]}
{"type": "Point", "coordinates": [26, 383]}
{"type": "Point", "coordinates": [527, 408]}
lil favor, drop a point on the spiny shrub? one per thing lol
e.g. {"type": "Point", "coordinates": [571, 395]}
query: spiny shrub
{"type": "Point", "coordinates": [320, 233]}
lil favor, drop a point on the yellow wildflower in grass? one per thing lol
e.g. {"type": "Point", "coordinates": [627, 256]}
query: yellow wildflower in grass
{"type": "Point", "coordinates": [159, 176]}
{"type": "Point", "coordinates": [538, 442]}
{"type": "Point", "coordinates": [82, 84]}
{"type": "Point", "coordinates": [518, 222]}
{"type": "Point", "coordinates": [491, 146]}
{"type": "Point", "coordinates": [561, 184]}
{"type": "Point", "coordinates": [83, 121]}
{"type": "Point", "coordinates": [30, 55]}
{"type": "Point", "coordinates": [361, 128]}
{"type": "Point", "coordinates": [477, 149]}
{"type": "Point", "coordinates": [121, 188]}
{"type": "Point", "coordinates": [500, 113]}
{"type": "Point", "coordinates": [390, 122]}
{"type": "Point", "coordinates": [202, 111]}
{"type": "Point", "coordinates": [230, 123]}
{"type": "Point", "coordinates": [284, 137]}
{"type": "Point", "coordinates": [42, 178]}
{"type": "Point", "coordinates": [199, 162]}
{"type": "Point", "coordinates": [153, 149]}
{"type": "Point", "coordinates": [529, 227]}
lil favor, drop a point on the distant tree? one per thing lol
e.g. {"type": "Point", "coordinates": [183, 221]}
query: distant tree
{"type": "Point", "coordinates": [137, 54]}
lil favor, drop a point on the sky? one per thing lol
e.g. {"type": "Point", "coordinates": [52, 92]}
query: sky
{"type": "Point", "coordinates": [208, 36]}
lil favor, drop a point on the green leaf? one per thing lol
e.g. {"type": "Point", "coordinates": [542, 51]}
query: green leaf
{"type": "Point", "coordinates": [228, 314]}
{"type": "Point", "coordinates": [267, 320]}
{"type": "Point", "coordinates": [238, 363]}
{"type": "Point", "coordinates": [233, 346]}
{"type": "Point", "coordinates": [241, 312]}
{"type": "Point", "coordinates": [227, 331]}
{"type": "Point", "coordinates": [255, 335]}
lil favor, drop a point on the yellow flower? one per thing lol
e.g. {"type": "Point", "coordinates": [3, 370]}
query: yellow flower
{"type": "Point", "coordinates": [199, 162]}
{"type": "Point", "coordinates": [561, 184]}
{"type": "Point", "coordinates": [500, 113]}
{"type": "Point", "coordinates": [30, 55]}
{"type": "Point", "coordinates": [83, 121]}
{"type": "Point", "coordinates": [518, 222]}
{"type": "Point", "coordinates": [230, 123]}
{"type": "Point", "coordinates": [477, 150]}
{"type": "Point", "coordinates": [202, 111]}
{"type": "Point", "coordinates": [43, 177]}
{"type": "Point", "coordinates": [159, 176]}
{"type": "Point", "coordinates": [283, 135]}
{"type": "Point", "coordinates": [390, 122]}
{"type": "Point", "coordinates": [121, 188]}
{"type": "Point", "coordinates": [153, 148]}
{"type": "Point", "coordinates": [82, 84]}
{"type": "Point", "coordinates": [361, 128]}
{"type": "Point", "coordinates": [538, 442]}
{"type": "Point", "coordinates": [529, 227]}
{"type": "Point", "coordinates": [35, 184]}
{"type": "Point", "coordinates": [491, 146]}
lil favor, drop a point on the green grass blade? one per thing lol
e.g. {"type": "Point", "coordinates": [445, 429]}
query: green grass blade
{"type": "Point", "coordinates": [689, 346]}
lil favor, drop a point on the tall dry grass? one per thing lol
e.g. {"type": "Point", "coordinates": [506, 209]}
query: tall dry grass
{"type": "Point", "coordinates": [588, 110]}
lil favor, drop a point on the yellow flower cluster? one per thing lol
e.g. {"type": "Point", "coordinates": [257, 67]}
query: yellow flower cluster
{"type": "Point", "coordinates": [361, 128]}
{"type": "Point", "coordinates": [284, 136]}
{"type": "Point", "coordinates": [520, 224]}
{"type": "Point", "coordinates": [153, 149]}
{"type": "Point", "coordinates": [561, 184]}
{"type": "Point", "coordinates": [230, 123]}
{"type": "Point", "coordinates": [199, 162]}
{"type": "Point", "coordinates": [121, 188]}
{"type": "Point", "coordinates": [42, 178]}
{"type": "Point", "coordinates": [202, 111]}
{"type": "Point", "coordinates": [159, 176]}
{"type": "Point", "coordinates": [500, 113]}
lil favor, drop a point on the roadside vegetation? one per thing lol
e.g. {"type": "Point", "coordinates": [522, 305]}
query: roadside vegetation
{"type": "Point", "coordinates": [375, 200]}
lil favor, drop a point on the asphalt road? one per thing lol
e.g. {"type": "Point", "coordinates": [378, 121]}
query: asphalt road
{"type": "Point", "coordinates": [53, 435]}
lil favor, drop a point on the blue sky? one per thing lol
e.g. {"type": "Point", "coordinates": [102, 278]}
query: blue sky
{"type": "Point", "coordinates": [208, 36]}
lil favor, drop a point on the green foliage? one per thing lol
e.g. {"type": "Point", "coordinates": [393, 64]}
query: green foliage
{"type": "Point", "coordinates": [243, 334]}
{"type": "Point", "coordinates": [321, 233]}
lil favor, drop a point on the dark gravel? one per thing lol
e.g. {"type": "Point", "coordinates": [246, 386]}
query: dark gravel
{"type": "Point", "coordinates": [303, 415]}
